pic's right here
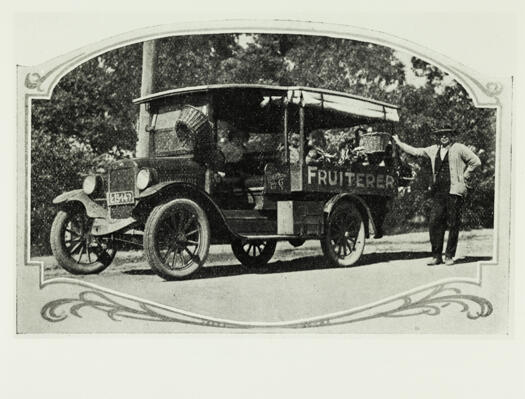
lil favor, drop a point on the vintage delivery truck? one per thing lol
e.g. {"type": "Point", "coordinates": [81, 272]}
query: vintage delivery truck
{"type": "Point", "coordinates": [195, 189]}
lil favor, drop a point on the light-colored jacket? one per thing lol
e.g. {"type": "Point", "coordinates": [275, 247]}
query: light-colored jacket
{"type": "Point", "coordinates": [461, 160]}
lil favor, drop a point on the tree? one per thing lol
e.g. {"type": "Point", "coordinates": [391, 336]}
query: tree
{"type": "Point", "coordinates": [89, 114]}
{"type": "Point", "coordinates": [57, 163]}
{"type": "Point", "coordinates": [93, 103]}
{"type": "Point", "coordinates": [193, 60]}
{"type": "Point", "coordinates": [262, 60]}
{"type": "Point", "coordinates": [354, 67]}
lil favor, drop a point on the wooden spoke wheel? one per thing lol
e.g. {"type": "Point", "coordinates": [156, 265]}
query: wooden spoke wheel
{"type": "Point", "coordinates": [254, 253]}
{"type": "Point", "coordinates": [75, 248]}
{"type": "Point", "coordinates": [344, 239]}
{"type": "Point", "coordinates": [177, 238]}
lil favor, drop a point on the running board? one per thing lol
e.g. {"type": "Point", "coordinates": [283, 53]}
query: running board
{"type": "Point", "coordinates": [276, 237]}
{"type": "Point", "coordinates": [250, 222]}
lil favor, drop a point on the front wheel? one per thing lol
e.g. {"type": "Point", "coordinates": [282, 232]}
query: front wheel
{"type": "Point", "coordinates": [254, 253]}
{"type": "Point", "coordinates": [75, 248]}
{"type": "Point", "coordinates": [177, 238]}
{"type": "Point", "coordinates": [344, 239]}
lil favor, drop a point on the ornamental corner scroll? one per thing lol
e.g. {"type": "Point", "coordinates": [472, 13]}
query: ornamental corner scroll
{"type": "Point", "coordinates": [427, 301]}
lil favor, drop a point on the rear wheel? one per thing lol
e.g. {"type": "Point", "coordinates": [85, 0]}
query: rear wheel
{"type": "Point", "coordinates": [344, 239]}
{"type": "Point", "coordinates": [75, 248]}
{"type": "Point", "coordinates": [177, 238]}
{"type": "Point", "coordinates": [253, 253]}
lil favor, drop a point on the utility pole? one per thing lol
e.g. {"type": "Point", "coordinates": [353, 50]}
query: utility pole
{"type": "Point", "coordinates": [149, 63]}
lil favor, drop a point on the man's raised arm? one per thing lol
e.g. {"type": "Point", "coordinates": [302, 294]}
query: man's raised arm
{"type": "Point", "coordinates": [417, 152]}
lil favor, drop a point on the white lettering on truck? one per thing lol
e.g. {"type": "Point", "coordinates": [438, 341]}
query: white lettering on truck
{"type": "Point", "coordinates": [322, 177]}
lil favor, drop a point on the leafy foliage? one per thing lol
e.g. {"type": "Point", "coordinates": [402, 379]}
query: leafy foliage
{"type": "Point", "coordinates": [90, 114]}
{"type": "Point", "coordinates": [57, 163]}
{"type": "Point", "coordinates": [93, 103]}
{"type": "Point", "coordinates": [354, 67]}
{"type": "Point", "coordinates": [261, 61]}
{"type": "Point", "coordinates": [192, 60]}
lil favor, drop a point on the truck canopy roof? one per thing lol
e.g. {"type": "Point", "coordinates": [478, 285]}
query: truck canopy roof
{"type": "Point", "coordinates": [253, 106]}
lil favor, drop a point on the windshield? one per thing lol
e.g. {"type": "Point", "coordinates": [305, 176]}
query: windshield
{"type": "Point", "coordinates": [165, 140]}
{"type": "Point", "coordinates": [248, 151]}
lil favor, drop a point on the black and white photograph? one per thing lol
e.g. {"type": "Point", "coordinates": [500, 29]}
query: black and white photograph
{"type": "Point", "coordinates": [264, 200]}
{"type": "Point", "coordinates": [257, 180]}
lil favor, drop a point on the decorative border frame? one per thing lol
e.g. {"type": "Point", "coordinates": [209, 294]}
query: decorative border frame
{"type": "Point", "coordinates": [38, 82]}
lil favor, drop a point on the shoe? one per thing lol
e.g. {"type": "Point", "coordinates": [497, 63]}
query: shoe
{"type": "Point", "coordinates": [435, 261]}
{"type": "Point", "coordinates": [449, 261]}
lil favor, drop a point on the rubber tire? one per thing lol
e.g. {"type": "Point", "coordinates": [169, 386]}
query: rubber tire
{"type": "Point", "coordinates": [329, 251]}
{"type": "Point", "coordinates": [155, 217]}
{"type": "Point", "coordinates": [253, 261]}
{"type": "Point", "coordinates": [62, 255]}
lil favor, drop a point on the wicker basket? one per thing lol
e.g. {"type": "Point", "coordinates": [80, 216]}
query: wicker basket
{"type": "Point", "coordinates": [195, 134]}
{"type": "Point", "coordinates": [192, 122]}
{"type": "Point", "coordinates": [375, 142]}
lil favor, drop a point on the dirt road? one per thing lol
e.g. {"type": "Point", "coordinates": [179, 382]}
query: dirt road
{"type": "Point", "coordinates": [297, 283]}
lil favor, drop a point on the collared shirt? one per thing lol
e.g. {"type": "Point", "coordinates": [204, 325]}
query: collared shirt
{"type": "Point", "coordinates": [442, 174]}
{"type": "Point", "coordinates": [443, 152]}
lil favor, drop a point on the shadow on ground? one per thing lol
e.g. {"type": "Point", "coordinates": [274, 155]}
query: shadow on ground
{"type": "Point", "coordinates": [305, 264]}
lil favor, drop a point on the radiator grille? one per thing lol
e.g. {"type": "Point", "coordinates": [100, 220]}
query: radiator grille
{"type": "Point", "coordinates": [122, 180]}
{"type": "Point", "coordinates": [120, 211]}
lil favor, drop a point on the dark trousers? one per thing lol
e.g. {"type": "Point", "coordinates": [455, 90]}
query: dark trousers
{"type": "Point", "coordinates": [445, 212]}
{"type": "Point", "coordinates": [378, 209]}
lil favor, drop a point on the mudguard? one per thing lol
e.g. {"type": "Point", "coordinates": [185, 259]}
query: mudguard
{"type": "Point", "coordinates": [370, 226]}
{"type": "Point", "coordinates": [157, 188]}
{"type": "Point", "coordinates": [102, 224]}
{"type": "Point", "coordinates": [93, 210]}
{"type": "Point", "coordinates": [166, 188]}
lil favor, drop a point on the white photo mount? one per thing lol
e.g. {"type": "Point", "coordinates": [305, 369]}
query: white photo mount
{"type": "Point", "coordinates": [73, 305]}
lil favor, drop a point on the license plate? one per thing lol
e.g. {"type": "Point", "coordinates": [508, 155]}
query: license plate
{"type": "Point", "coordinates": [120, 198]}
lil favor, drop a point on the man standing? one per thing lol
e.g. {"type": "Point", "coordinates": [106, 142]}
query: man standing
{"type": "Point", "coordinates": [452, 163]}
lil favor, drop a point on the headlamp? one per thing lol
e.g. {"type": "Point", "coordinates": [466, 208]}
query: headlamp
{"type": "Point", "coordinates": [91, 184]}
{"type": "Point", "coordinates": [144, 178]}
